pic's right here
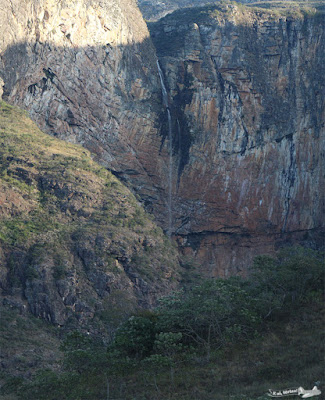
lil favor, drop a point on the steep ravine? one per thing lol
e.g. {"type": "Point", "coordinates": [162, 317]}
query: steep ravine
{"type": "Point", "coordinates": [245, 91]}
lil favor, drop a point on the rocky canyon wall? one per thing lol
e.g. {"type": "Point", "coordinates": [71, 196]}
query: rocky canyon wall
{"type": "Point", "coordinates": [153, 10]}
{"type": "Point", "coordinates": [246, 95]}
{"type": "Point", "coordinates": [86, 72]}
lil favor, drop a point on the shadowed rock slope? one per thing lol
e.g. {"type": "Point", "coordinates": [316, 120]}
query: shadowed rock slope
{"type": "Point", "coordinates": [76, 248]}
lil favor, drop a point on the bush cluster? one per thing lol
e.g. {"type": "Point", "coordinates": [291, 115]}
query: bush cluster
{"type": "Point", "coordinates": [188, 324]}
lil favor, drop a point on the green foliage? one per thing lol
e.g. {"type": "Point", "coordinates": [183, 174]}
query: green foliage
{"type": "Point", "coordinates": [202, 339]}
{"type": "Point", "coordinates": [168, 344]}
{"type": "Point", "coordinates": [31, 273]}
{"type": "Point", "coordinates": [85, 357]}
{"type": "Point", "coordinates": [156, 361]}
{"type": "Point", "coordinates": [12, 385]}
{"type": "Point", "coordinates": [288, 280]}
{"type": "Point", "coordinates": [216, 312]}
{"type": "Point", "coordinates": [82, 378]}
{"type": "Point", "coordinates": [59, 271]}
{"type": "Point", "coordinates": [211, 314]}
{"type": "Point", "coordinates": [135, 338]}
{"type": "Point", "coordinates": [76, 341]}
{"type": "Point", "coordinates": [46, 385]}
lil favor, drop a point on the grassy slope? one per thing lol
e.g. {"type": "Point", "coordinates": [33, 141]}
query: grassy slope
{"type": "Point", "coordinates": [64, 219]}
{"type": "Point", "coordinates": [52, 190]}
{"type": "Point", "coordinates": [27, 344]}
{"type": "Point", "coordinates": [51, 182]}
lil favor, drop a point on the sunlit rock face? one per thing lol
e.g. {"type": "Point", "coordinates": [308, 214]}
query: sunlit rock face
{"type": "Point", "coordinates": [153, 10]}
{"type": "Point", "coordinates": [86, 72]}
{"type": "Point", "coordinates": [247, 94]}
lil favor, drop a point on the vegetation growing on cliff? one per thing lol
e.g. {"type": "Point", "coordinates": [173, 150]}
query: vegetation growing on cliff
{"type": "Point", "coordinates": [154, 11]}
{"type": "Point", "coordinates": [221, 338]}
{"type": "Point", "coordinates": [224, 12]}
{"type": "Point", "coordinates": [71, 235]}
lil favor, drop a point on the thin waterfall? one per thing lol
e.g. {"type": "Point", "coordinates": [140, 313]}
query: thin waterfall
{"type": "Point", "coordinates": [178, 133]}
{"type": "Point", "coordinates": [163, 87]}
{"type": "Point", "coordinates": [170, 150]}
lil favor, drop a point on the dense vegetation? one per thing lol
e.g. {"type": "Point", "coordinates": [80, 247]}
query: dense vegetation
{"type": "Point", "coordinates": [227, 338]}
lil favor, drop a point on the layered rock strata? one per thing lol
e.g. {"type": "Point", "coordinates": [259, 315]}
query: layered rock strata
{"type": "Point", "coordinates": [86, 72]}
{"type": "Point", "coordinates": [247, 93]}
{"type": "Point", "coordinates": [76, 248]}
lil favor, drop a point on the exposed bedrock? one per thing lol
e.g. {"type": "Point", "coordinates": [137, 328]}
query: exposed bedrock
{"type": "Point", "coordinates": [86, 72]}
{"type": "Point", "coordinates": [246, 95]}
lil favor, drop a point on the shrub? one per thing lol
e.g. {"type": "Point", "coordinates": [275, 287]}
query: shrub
{"type": "Point", "coordinates": [288, 280]}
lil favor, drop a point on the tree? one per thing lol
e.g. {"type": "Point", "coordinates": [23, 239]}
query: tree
{"type": "Point", "coordinates": [286, 280]}
{"type": "Point", "coordinates": [135, 338]}
{"type": "Point", "coordinates": [212, 313]}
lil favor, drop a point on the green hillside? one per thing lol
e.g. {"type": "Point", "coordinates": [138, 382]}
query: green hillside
{"type": "Point", "coordinates": [78, 256]}
{"type": "Point", "coordinates": [76, 247]}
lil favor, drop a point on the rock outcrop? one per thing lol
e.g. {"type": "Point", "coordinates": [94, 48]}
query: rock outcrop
{"type": "Point", "coordinates": [76, 247]}
{"type": "Point", "coordinates": [247, 97]}
{"type": "Point", "coordinates": [86, 72]}
{"type": "Point", "coordinates": [153, 10]}
{"type": "Point", "coordinates": [245, 91]}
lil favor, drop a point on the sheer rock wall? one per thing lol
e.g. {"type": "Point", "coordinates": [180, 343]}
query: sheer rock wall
{"type": "Point", "coordinates": [246, 94]}
{"type": "Point", "coordinates": [86, 72]}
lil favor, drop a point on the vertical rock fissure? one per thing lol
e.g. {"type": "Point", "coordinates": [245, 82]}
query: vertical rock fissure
{"type": "Point", "coordinates": [170, 151]}
{"type": "Point", "coordinates": [291, 175]}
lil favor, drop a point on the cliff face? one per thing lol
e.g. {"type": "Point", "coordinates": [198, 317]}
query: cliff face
{"type": "Point", "coordinates": [86, 72]}
{"type": "Point", "coordinates": [247, 113]}
{"type": "Point", "coordinates": [76, 248]}
{"type": "Point", "coordinates": [247, 95]}
{"type": "Point", "coordinates": [156, 9]}
{"type": "Point", "coordinates": [153, 10]}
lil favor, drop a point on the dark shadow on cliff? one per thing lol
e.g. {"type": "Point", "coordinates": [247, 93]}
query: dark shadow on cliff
{"type": "Point", "coordinates": [94, 106]}
{"type": "Point", "coordinates": [109, 99]}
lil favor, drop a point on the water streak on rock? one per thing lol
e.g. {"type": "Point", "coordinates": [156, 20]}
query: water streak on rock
{"type": "Point", "coordinates": [170, 150]}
